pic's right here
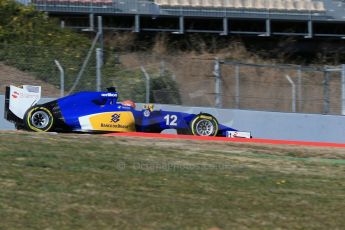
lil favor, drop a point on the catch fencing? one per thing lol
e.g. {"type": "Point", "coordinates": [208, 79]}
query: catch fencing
{"type": "Point", "coordinates": [180, 79]}
{"type": "Point", "coordinates": [284, 88]}
{"type": "Point", "coordinates": [212, 82]}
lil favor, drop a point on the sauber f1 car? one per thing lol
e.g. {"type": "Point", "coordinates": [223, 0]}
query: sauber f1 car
{"type": "Point", "coordinates": [101, 112]}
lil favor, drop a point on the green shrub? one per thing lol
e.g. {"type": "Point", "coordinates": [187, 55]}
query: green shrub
{"type": "Point", "coordinates": [31, 41]}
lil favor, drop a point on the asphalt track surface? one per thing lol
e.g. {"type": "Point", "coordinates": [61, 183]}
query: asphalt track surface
{"type": "Point", "coordinates": [226, 139]}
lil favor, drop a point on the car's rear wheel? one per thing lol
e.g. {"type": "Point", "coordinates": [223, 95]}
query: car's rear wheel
{"type": "Point", "coordinates": [39, 119]}
{"type": "Point", "coordinates": [204, 125]}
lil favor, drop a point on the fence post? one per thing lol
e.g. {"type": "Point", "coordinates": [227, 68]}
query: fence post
{"type": "Point", "coordinates": [91, 27]}
{"type": "Point", "coordinates": [181, 25]}
{"type": "Point", "coordinates": [62, 24]}
{"type": "Point", "coordinates": [293, 92]}
{"type": "Point", "coordinates": [268, 27]}
{"type": "Point", "coordinates": [98, 68]}
{"type": "Point", "coordinates": [225, 27]}
{"type": "Point", "coordinates": [62, 78]}
{"type": "Point", "coordinates": [237, 85]}
{"type": "Point", "coordinates": [343, 89]}
{"type": "Point", "coordinates": [86, 60]}
{"type": "Point", "coordinates": [136, 23]}
{"type": "Point", "coordinates": [100, 31]}
{"type": "Point", "coordinates": [299, 79]}
{"type": "Point", "coordinates": [91, 22]}
{"type": "Point", "coordinates": [147, 78]}
{"type": "Point", "coordinates": [162, 68]}
{"type": "Point", "coordinates": [218, 84]}
{"type": "Point", "coordinates": [325, 91]}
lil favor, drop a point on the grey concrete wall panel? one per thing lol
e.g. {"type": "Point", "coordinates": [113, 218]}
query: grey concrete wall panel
{"type": "Point", "coordinates": [4, 125]}
{"type": "Point", "coordinates": [274, 125]}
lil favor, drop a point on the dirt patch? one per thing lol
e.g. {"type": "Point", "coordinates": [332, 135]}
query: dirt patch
{"type": "Point", "coordinates": [12, 76]}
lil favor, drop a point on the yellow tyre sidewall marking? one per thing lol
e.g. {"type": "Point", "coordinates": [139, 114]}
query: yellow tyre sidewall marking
{"type": "Point", "coordinates": [28, 119]}
{"type": "Point", "coordinates": [210, 118]}
{"type": "Point", "coordinates": [206, 117]}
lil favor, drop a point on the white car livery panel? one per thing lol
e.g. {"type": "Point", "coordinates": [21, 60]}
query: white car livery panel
{"type": "Point", "coordinates": [21, 99]}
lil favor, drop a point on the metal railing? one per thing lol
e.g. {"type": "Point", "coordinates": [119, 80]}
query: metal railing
{"type": "Point", "coordinates": [147, 7]}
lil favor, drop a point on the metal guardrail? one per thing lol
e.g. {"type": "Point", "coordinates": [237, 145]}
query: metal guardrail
{"type": "Point", "coordinates": [150, 8]}
{"type": "Point", "coordinates": [135, 10]}
{"type": "Point", "coordinates": [226, 17]}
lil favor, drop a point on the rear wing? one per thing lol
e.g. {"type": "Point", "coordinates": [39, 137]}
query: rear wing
{"type": "Point", "coordinates": [19, 99]}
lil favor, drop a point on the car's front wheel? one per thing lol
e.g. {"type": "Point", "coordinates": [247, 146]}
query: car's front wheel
{"type": "Point", "coordinates": [204, 125]}
{"type": "Point", "coordinates": [39, 119]}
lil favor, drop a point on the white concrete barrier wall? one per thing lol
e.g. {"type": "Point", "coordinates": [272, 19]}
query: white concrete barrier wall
{"type": "Point", "coordinates": [274, 125]}
{"type": "Point", "coordinates": [269, 125]}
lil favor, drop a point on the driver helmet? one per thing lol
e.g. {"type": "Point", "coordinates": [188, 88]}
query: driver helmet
{"type": "Point", "coordinates": [129, 103]}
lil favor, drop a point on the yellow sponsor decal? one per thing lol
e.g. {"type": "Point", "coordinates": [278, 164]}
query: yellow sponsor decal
{"type": "Point", "coordinates": [149, 107]}
{"type": "Point", "coordinates": [113, 121]}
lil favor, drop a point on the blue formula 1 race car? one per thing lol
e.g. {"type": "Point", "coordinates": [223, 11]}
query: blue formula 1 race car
{"type": "Point", "coordinates": [101, 112]}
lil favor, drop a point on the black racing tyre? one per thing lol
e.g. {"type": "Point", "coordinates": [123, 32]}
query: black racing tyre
{"type": "Point", "coordinates": [204, 125]}
{"type": "Point", "coordinates": [39, 119]}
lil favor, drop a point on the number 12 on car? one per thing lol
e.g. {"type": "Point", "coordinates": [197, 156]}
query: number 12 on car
{"type": "Point", "coordinates": [170, 120]}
